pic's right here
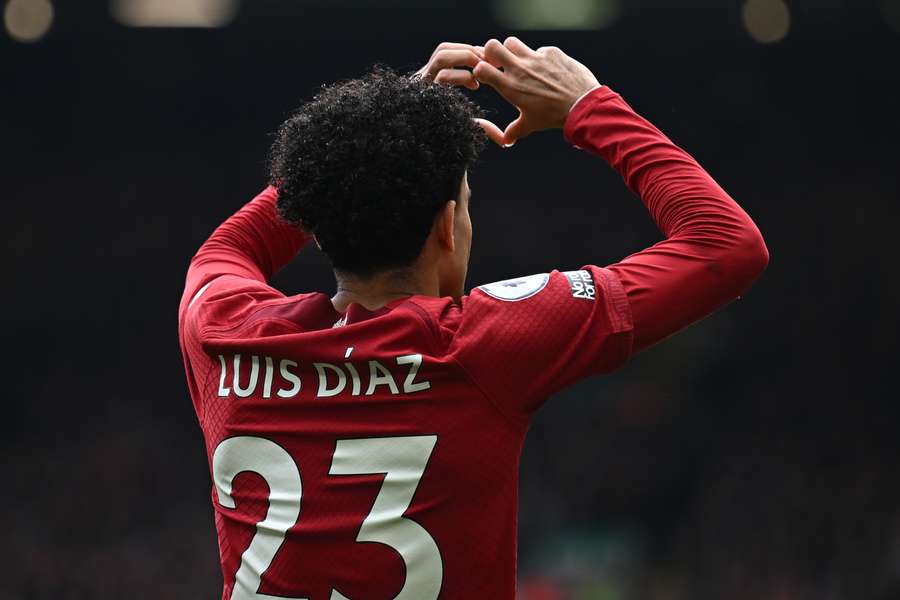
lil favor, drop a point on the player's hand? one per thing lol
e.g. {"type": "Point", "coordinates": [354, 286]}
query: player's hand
{"type": "Point", "coordinates": [448, 63]}
{"type": "Point", "coordinates": [543, 84]}
{"type": "Point", "coordinates": [451, 64]}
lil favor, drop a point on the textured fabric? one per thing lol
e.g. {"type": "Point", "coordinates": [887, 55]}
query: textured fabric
{"type": "Point", "coordinates": [713, 250]}
{"type": "Point", "coordinates": [315, 419]}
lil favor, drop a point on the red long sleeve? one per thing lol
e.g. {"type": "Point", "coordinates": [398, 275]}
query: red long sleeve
{"type": "Point", "coordinates": [253, 243]}
{"type": "Point", "coordinates": [713, 250]}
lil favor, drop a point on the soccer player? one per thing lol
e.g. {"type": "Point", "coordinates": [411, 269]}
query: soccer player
{"type": "Point", "coordinates": [366, 445]}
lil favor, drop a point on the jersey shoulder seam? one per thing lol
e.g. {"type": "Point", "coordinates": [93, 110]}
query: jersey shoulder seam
{"type": "Point", "coordinates": [246, 324]}
{"type": "Point", "coordinates": [234, 327]}
{"type": "Point", "coordinates": [430, 325]}
{"type": "Point", "coordinates": [517, 424]}
{"type": "Point", "coordinates": [433, 327]}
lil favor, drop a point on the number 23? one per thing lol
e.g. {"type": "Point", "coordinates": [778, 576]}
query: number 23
{"type": "Point", "coordinates": [401, 459]}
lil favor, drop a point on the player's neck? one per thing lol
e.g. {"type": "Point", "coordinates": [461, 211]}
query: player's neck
{"type": "Point", "coordinates": [377, 290]}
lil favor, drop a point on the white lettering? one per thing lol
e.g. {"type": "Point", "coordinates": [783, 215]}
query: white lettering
{"type": "Point", "coordinates": [254, 376]}
{"type": "Point", "coordinates": [354, 377]}
{"type": "Point", "coordinates": [384, 379]}
{"type": "Point", "coordinates": [582, 285]}
{"type": "Point", "coordinates": [267, 380]}
{"type": "Point", "coordinates": [409, 385]}
{"type": "Point", "coordinates": [324, 391]}
{"type": "Point", "coordinates": [282, 378]}
{"type": "Point", "coordinates": [288, 376]}
{"type": "Point", "coordinates": [223, 391]}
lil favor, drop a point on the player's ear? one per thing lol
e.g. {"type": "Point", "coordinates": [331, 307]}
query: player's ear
{"type": "Point", "coordinates": [445, 225]}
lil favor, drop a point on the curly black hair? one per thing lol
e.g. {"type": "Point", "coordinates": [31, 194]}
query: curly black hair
{"type": "Point", "coordinates": [367, 164]}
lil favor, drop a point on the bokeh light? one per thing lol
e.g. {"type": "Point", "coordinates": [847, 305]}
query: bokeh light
{"type": "Point", "coordinates": [174, 13]}
{"type": "Point", "coordinates": [767, 21]}
{"type": "Point", "coordinates": [28, 20]}
{"type": "Point", "coordinates": [557, 14]}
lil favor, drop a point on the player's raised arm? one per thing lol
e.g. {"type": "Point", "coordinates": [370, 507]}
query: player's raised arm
{"type": "Point", "coordinates": [713, 250]}
{"type": "Point", "coordinates": [252, 244]}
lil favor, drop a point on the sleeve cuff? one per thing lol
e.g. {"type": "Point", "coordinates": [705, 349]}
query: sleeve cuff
{"type": "Point", "coordinates": [582, 106]}
{"type": "Point", "coordinates": [618, 309]}
{"type": "Point", "coordinates": [581, 97]}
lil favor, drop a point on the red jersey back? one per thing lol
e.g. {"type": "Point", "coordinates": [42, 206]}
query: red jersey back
{"type": "Point", "coordinates": [374, 455]}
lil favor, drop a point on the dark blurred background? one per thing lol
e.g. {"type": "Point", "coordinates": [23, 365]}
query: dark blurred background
{"type": "Point", "coordinates": [755, 455]}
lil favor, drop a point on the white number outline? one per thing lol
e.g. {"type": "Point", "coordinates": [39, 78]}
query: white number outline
{"type": "Point", "coordinates": [274, 464]}
{"type": "Point", "coordinates": [402, 460]}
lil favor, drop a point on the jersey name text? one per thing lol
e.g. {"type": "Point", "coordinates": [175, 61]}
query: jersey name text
{"type": "Point", "coordinates": [245, 375]}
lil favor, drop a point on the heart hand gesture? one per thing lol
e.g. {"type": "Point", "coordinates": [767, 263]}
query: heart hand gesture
{"type": "Point", "coordinates": [542, 84]}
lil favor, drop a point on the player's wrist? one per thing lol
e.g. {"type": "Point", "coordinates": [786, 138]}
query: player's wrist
{"type": "Point", "coordinates": [574, 130]}
{"type": "Point", "coordinates": [582, 97]}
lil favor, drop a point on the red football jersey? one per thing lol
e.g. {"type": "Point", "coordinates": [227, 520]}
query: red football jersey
{"type": "Point", "coordinates": [374, 455]}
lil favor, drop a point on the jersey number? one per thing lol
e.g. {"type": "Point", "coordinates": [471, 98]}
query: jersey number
{"type": "Point", "coordinates": [402, 460]}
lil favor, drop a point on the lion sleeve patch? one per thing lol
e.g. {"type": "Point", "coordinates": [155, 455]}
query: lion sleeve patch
{"type": "Point", "coordinates": [518, 288]}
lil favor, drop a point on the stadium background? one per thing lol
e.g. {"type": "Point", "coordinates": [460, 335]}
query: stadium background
{"type": "Point", "coordinates": [753, 456]}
